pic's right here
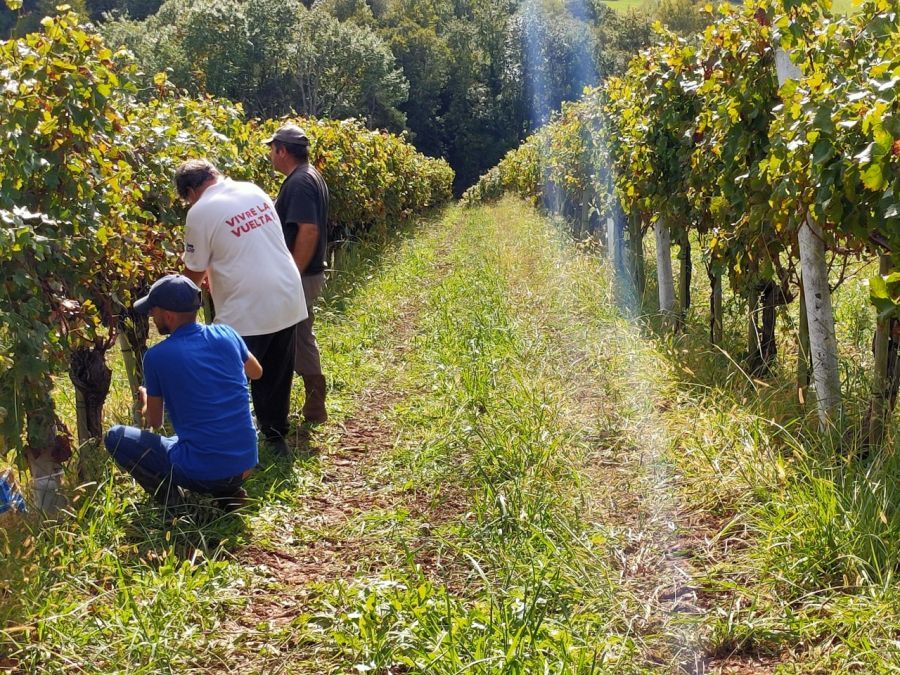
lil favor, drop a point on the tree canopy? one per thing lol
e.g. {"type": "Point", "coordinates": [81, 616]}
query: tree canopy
{"type": "Point", "coordinates": [467, 79]}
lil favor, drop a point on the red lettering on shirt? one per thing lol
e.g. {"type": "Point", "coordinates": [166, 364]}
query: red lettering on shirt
{"type": "Point", "coordinates": [245, 215]}
{"type": "Point", "coordinates": [244, 222]}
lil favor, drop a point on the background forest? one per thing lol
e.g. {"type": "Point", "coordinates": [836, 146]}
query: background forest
{"type": "Point", "coordinates": [467, 79]}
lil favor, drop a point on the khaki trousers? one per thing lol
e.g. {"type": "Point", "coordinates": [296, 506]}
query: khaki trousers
{"type": "Point", "coordinates": [306, 354]}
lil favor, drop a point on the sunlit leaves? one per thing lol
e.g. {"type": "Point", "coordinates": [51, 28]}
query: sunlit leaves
{"type": "Point", "coordinates": [885, 295]}
{"type": "Point", "coordinates": [852, 70]}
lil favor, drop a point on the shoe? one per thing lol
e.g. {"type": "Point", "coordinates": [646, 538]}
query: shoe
{"type": "Point", "coordinates": [314, 407]}
{"type": "Point", "coordinates": [173, 502]}
{"type": "Point", "coordinates": [169, 495]}
{"type": "Point", "coordinates": [279, 445]}
{"type": "Point", "coordinates": [233, 502]}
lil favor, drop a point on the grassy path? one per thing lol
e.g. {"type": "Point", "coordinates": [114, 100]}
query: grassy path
{"type": "Point", "coordinates": [514, 480]}
{"type": "Point", "coordinates": [494, 518]}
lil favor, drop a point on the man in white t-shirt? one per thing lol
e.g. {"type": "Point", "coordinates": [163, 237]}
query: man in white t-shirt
{"type": "Point", "coordinates": [233, 238]}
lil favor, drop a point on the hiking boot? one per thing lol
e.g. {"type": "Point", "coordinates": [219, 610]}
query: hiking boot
{"type": "Point", "coordinates": [314, 407]}
{"type": "Point", "coordinates": [279, 445]}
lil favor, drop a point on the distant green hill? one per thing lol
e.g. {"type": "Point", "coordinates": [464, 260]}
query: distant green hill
{"type": "Point", "coordinates": [623, 5]}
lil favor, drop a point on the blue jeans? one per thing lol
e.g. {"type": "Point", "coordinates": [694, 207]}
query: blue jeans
{"type": "Point", "coordinates": [145, 456]}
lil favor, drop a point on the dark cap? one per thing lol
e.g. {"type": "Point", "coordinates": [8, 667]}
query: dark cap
{"type": "Point", "coordinates": [289, 133]}
{"type": "Point", "coordinates": [173, 292]}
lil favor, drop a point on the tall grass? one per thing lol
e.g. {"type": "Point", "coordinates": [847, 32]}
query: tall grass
{"type": "Point", "coordinates": [807, 554]}
{"type": "Point", "coordinates": [558, 468]}
{"type": "Point", "coordinates": [114, 585]}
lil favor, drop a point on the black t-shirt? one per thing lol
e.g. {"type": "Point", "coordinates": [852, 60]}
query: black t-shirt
{"type": "Point", "coordinates": [303, 198]}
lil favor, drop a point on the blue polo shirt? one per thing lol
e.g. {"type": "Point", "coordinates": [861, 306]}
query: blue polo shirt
{"type": "Point", "coordinates": [199, 373]}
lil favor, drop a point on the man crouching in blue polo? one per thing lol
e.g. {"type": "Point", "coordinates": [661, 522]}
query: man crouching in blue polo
{"type": "Point", "coordinates": [200, 374]}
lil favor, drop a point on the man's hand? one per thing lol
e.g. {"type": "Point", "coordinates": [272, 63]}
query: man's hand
{"type": "Point", "coordinates": [252, 368]}
{"type": "Point", "coordinates": [198, 278]}
{"type": "Point", "coordinates": [142, 398]}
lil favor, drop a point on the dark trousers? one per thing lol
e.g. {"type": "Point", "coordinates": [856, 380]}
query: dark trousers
{"type": "Point", "coordinates": [145, 456]}
{"type": "Point", "coordinates": [272, 392]}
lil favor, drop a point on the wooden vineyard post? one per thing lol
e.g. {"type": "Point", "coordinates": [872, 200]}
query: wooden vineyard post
{"type": "Point", "coordinates": [619, 229]}
{"type": "Point", "coordinates": [614, 243]}
{"type": "Point", "coordinates": [820, 317]}
{"type": "Point", "coordinates": [882, 385]}
{"type": "Point", "coordinates": [803, 360]}
{"type": "Point", "coordinates": [684, 278]}
{"type": "Point", "coordinates": [636, 254]}
{"type": "Point", "coordinates": [715, 307]}
{"type": "Point", "coordinates": [754, 338]}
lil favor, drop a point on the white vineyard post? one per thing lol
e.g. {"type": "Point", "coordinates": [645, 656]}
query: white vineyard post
{"type": "Point", "coordinates": [817, 293]}
{"type": "Point", "coordinates": [664, 270]}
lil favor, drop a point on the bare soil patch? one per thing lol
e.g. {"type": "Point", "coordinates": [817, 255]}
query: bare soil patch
{"type": "Point", "coordinates": [328, 555]}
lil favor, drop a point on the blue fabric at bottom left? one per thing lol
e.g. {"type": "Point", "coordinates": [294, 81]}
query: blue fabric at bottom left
{"type": "Point", "coordinates": [10, 497]}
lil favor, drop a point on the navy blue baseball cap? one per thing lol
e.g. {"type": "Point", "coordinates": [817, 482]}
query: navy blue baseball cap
{"type": "Point", "coordinates": [173, 292]}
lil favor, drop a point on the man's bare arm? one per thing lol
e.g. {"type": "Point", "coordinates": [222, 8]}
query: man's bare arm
{"type": "Point", "coordinates": [305, 244]}
{"type": "Point", "coordinates": [151, 408]}
{"type": "Point", "coordinates": [196, 277]}
{"type": "Point", "coordinates": [252, 368]}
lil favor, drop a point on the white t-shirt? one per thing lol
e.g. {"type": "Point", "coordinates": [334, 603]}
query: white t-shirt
{"type": "Point", "coordinates": [234, 232]}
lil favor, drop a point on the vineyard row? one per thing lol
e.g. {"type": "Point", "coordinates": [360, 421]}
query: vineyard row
{"type": "Point", "coordinates": [89, 217]}
{"type": "Point", "coordinates": [773, 138]}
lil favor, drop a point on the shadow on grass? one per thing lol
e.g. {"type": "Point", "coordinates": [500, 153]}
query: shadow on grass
{"type": "Point", "coordinates": [202, 530]}
{"type": "Point", "coordinates": [204, 526]}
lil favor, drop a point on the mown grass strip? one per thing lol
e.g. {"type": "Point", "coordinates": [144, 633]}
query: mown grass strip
{"type": "Point", "coordinates": [793, 544]}
{"type": "Point", "coordinates": [549, 461]}
{"type": "Point", "coordinates": [520, 584]}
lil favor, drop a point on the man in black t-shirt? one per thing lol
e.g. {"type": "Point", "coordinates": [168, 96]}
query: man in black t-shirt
{"type": "Point", "coordinates": [302, 207]}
